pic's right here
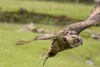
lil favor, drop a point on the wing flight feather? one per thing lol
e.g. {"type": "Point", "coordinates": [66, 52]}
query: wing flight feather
{"type": "Point", "coordinates": [39, 37]}
{"type": "Point", "coordinates": [92, 20]}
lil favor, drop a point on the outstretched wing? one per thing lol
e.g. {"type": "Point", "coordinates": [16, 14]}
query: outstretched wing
{"type": "Point", "coordinates": [92, 20]}
{"type": "Point", "coordinates": [39, 37]}
{"type": "Point", "coordinates": [45, 37]}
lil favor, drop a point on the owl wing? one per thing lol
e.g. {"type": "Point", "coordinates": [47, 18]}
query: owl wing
{"type": "Point", "coordinates": [40, 37]}
{"type": "Point", "coordinates": [92, 20]}
{"type": "Point", "coordinates": [46, 37]}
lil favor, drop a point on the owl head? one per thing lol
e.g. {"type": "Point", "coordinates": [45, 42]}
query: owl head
{"type": "Point", "coordinates": [74, 41]}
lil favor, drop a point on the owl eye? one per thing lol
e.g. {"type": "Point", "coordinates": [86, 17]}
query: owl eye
{"type": "Point", "coordinates": [77, 40]}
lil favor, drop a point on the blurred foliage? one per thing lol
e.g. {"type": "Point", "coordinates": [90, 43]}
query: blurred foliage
{"type": "Point", "coordinates": [70, 10]}
{"type": "Point", "coordinates": [39, 12]}
{"type": "Point", "coordinates": [23, 16]}
{"type": "Point", "coordinates": [73, 1]}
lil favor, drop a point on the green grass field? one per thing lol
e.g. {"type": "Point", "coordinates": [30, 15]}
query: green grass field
{"type": "Point", "coordinates": [28, 55]}
{"type": "Point", "coordinates": [71, 10]}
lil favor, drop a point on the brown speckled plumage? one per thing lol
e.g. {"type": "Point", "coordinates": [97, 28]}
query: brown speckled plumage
{"type": "Point", "coordinates": [68, 37]}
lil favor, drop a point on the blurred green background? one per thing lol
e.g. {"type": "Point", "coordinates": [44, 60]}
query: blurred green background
{"type": "Point", "coordinates": [49, 15]}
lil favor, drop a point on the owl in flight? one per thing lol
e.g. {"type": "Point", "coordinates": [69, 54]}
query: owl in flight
{"type": "Point", "coordinates": [68, 37]}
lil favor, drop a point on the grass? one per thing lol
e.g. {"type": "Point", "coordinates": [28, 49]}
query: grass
{"type": "Point", "coordinates": [28, 55]}
{"type": "Point", "coordinates": [71, 10]}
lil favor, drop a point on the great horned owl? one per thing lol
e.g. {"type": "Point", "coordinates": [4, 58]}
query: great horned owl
{"type": "Point", "coordinates": [68, 37]}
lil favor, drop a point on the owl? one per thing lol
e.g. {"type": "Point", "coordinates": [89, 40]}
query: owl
{"type": "Point", "coordinates": [68, 36]}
